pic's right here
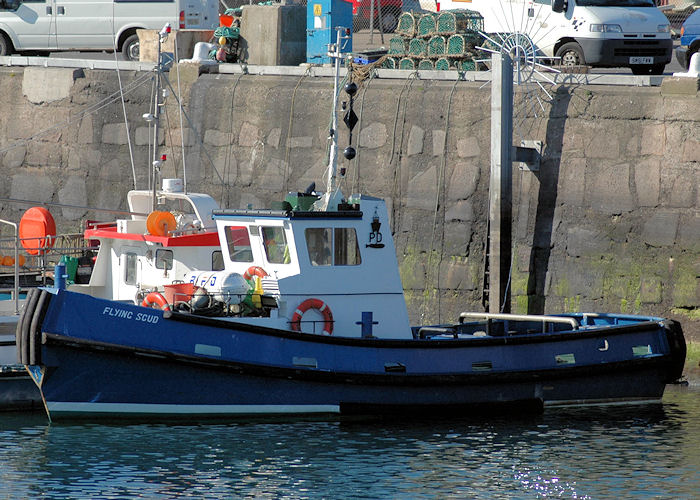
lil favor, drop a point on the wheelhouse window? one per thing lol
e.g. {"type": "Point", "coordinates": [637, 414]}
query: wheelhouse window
{"type": "Point", "coordinates": [130, 269]}
{"type": "Point", "coordinates": [238, 244]}
{"type": "Point", "coordinates": [329, 246]}
{"type": "Point", "coordinates": [275, 242]}
{"type": "Point", "coordinates": [217, 260]}
{"type": "Point", "coordinates": [164, 259]}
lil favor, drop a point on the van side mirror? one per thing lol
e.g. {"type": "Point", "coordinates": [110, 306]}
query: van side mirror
{"type": "Point", "coordinates": [558, 5]}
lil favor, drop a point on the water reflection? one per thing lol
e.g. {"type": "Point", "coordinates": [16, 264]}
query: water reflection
{"type": "Point", "coordinates": [648, 451]}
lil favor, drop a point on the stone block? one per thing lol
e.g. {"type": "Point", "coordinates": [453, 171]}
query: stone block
{"type": "Point", "coordinates": [422, 190]}
{"type": "Point", "coordinates": [28, 186]}
{"type": "Point", "coordinates": [73, 192]}
{"type": "Point", "coordinates": [114, 133]}
{"type": "Point", "coordinates": [691, 149]}
{"type": "Point", "coordinates": [607, 187]}
{"type": "Point", "coordinates": [653, 140]}
{"type": "Point", "coordinates": [689, 232]}
{"type": "Point", "coordinates": [582, 242]}
{"type": "Point", "coordinates": [463, 181]}
{"type": "Point", "coordinates": [178, 137]}
{"type": "Point", "coordinates": [461, 211]}
{"type": "Point", "coordinates": [216, 138]}
{"type": "Point", "coordinates": [660, 229]}
{"type": "Point", "coordinates": [572, 181]}
{"type": "Point", "coordinates": [651, 290]}
{"type": "Point", "coordinates": [86, 130]}
{"type": "Point", "coordinates": [41, 85]}
{"type": "Point", "coordinates": [250, 135]}
{"type": "Point", "coordinates": [438, 142]}
{"type": "Point", "coordinates": [457, 238]}
{"type": "Point", "coordinates": [680, 85]}
{"type": "Point", "coordinates": [14, 157]}
{"type": "Point", "coordinates": [373, 136]}
{"type": "Point", "coordinates": [647, 179]}
{"type": "Point", "coordinates": [143, 136]}
{"type": "Point", "coordinates": [683, 186]}
{"type": "Point", "coordinates": [455, 274]}
{"type": "Point", "coordinates": [415, 141]}
{"type": "Point", "coordinates": [468, 147]}
{"type": "Point", "coordinates": [301, 142]}
{"type": "Point", "coordinates": [273, 138]}
{"type": "Point", "coordinates": [43, 154]}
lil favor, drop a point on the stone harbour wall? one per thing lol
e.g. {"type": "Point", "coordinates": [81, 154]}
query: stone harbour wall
{"type": "Point", "coordinates": [610, 222]}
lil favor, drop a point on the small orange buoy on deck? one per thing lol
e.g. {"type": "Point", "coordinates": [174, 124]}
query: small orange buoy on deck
{"type": "Point", "coordinates": [37, 230]}
{"type": "Point", "coordinates": [160, 223]}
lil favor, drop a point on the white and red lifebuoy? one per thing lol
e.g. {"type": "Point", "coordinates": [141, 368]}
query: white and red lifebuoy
{"type": "Point", "coordinates": [254, 271]}
{"type": "Point", "coordinates": [154, 299]}
{"type": "Point", "coordinates": [321, 307]}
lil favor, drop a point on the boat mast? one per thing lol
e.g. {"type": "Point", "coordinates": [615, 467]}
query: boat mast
{"type": "Point", "coordinates": [155, 117]}
{"type": "Point", "coordinates": [333, 196]}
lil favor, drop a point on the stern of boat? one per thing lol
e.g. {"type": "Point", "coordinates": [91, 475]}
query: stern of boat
{"type": "Point", "coordinates": [677, 350]}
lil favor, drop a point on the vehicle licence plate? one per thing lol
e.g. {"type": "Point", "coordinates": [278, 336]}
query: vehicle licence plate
{"type": "Point", "coordinates": [641, 60]}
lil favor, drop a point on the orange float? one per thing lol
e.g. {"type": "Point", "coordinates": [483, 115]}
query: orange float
{"type": "Point", "coordinates": [156, 300]}
{"type": "Point", "coordinates": [160, 223]}
{"type": "Point", "coordinates": [254, 271]}
{"type": "Point", "coordinates": [37, 230]}
{"type": "Point", "coordinates": [313, 303]}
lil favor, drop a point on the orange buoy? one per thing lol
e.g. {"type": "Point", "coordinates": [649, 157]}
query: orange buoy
{"type": "Point", "coordinates": [156, 300]}
{"type": "Point", "coordinates": [254, 271]}
{"type": "Point", "coordinates": [319, 305]}
{"type": "Point", "coordinates": [37, 230]}
{"type": "Point", "coordinates": [7, 261]}
{"type": "Point", "coordinates": [160, 223]}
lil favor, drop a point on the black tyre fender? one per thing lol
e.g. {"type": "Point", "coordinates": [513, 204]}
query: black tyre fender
{"type": "Point", "coordinates": [571, 54]}
{"type": "Point", "coordinates": [130, 47]}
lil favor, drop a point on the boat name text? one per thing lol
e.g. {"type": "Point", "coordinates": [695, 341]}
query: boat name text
{"type": "Point", "coordinates": [123, 313]}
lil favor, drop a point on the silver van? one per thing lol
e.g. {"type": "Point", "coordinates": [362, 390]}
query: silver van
{"type": "Point", "coordinates": [54, 25]}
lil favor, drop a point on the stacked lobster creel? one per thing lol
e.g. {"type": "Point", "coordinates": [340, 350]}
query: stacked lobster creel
{"type": "Point", "coordinates": [442, 41]}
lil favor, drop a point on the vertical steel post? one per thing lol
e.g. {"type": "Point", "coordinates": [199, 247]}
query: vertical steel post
{"type": "Point", "coordinates": [501, 183]}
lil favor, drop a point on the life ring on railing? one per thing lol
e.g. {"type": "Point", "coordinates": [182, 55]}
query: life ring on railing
{"type": "Point", "coordinates": [156, 298]}
{"type": "Point", "coordinates": [254, 271]}
{"type": "Point", "coordinates": [321, 306]}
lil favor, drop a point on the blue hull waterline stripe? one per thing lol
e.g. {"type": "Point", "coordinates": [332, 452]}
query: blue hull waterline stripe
{"type": "Point", "coordinates": [170, 409]}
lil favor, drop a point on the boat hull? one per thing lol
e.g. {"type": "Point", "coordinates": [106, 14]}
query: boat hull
{"type": "Point", "coordinates": [102, 363]}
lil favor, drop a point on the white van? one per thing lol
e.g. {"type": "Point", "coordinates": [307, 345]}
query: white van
{"type": "Point", "coordinates": [603, 33]}
{"type": "Point", "coordinates": [53, 25]}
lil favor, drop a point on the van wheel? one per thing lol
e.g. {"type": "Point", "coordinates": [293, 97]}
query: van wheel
{"type": "Point", "coordinates": [130, 49]}
{"type": "Point", "coordinates": [5, 45]}
{"type": "Point", "coordinates": [571, 54]}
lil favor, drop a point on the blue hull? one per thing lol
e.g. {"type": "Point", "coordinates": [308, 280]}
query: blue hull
{"type": "Point", "coordinates": [101, 358]}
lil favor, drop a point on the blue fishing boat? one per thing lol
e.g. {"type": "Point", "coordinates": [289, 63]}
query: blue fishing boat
{"type": "Point", "coordinates": [299, 309]}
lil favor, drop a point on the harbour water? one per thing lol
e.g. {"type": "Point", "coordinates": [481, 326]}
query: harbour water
{"type": "Point", "coordinates": [650, 451]}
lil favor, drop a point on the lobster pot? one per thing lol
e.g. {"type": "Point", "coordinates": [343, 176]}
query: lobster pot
{"type": "Point", "coordinates": [426, 64]}
{"type": "Point", "coordinates": [426, 25]}
{"type": "Point", "coordinates": [398, 46]}
{"type": "Point", "coordinates": [442, 64]}
{"type": "Point", "coordinates": [417, 47]}
{"type": "Point", "coordinates": [451, 22]}
{"type": "Point", "coordinates": [462, 44]}
{"type": "Point", "coordinates": [407, 63]}
{"type": "Point", "coordinates": [467, 65]}
{"type": "Point", "coordinates": [437, 46]}
{"type": "Point", "coordinates": [407, 25]}
{"type": "Point", "coordinates": [391, 63]}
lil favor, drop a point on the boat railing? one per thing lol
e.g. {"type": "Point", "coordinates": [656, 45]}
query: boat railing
{"type": "Point", "coordinates": [546, 321]}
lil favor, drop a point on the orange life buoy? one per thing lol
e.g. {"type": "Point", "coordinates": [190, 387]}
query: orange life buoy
{"type": "Point", "coordinates": [37, 230]}
{"type": "Point", "coordinates": [321, 306]}
{"type": "Point", "coordinates": [254, 271]}
{"type": "Point", "coordinates": [156, 299]}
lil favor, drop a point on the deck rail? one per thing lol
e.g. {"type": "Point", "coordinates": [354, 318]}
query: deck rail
{"type": "Point", "coordinates": [535, 318]}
